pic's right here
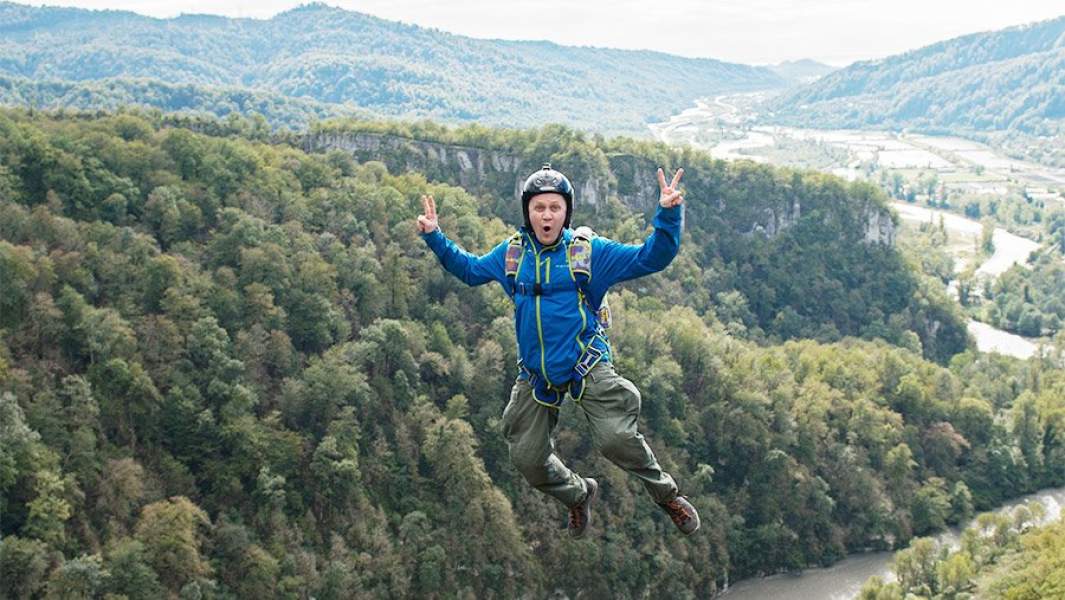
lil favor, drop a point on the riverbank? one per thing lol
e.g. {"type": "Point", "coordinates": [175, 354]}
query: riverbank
{"type": "Point", "coordinates": [843, 580]}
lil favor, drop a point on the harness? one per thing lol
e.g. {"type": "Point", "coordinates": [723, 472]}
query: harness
{"type": "Point", "coordinates": [579, 257]}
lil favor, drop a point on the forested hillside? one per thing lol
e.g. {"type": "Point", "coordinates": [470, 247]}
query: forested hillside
{"type": "Point", "coordinates": [230, 368]}
{"type": "Point", "coordinates": [1012, 80]}
{"type": "Point", "coordinates": [346, 59]}
{"type": "Point", "coordinates": [273, 109]}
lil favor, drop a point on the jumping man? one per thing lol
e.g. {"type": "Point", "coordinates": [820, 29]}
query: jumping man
{"type": "Point", "coordinates": [558, 280]}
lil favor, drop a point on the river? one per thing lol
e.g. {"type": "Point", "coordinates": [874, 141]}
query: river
{"type": "Point", "coordinates": [843, 580]}
{"type": "Point", "coordinates": [1010, 249]}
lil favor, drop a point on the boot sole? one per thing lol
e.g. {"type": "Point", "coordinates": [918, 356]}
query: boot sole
{"type": "Point", "coordinates": [593, 492]}
{"type": "Point", "coordinates": [698, 523]}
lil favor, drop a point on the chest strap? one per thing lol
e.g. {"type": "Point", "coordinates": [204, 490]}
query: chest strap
{"type": "Point", "coordinates": [579, 256]}
{"type": "Point", "coordinates": [544, 289]}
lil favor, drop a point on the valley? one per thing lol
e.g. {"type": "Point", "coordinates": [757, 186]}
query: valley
{"type": "Point", "coordinates": [917, 166]}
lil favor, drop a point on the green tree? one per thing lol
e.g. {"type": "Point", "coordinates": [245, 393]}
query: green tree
{"type": "Point", "coordinates": [128, 572]}
{"type": "Point", "coordinates": [17, 271]}
{"type": "Point", "coordinates": [876, 589]}
{"type": "Point", "coordinates": [131, 401]}
{"type": "Point", "coordinates": [1029, 434]}
{"type": "Point", "coordinates": [916, 567]}
{"type": "Point", "coordinates": [23, 567]}
{"type": "Point", "coordinates": [49, 510]}
{"type": "Point", "coordinates": [172, 532]}
{"type": "Point", "coordinates": [80, 578]}
{"type": "Point", "coordinates": [930, 507]}
{"type": "Point", "coordinates": [987, 237]}
{"type": "Point", "coordinates": [82, 420]}
{"type": "Point", "coordinates": [955, 574]}
{"type": "Point", "coordinates": [961, 504]}
{"type": "Point", "coordinates": [122, 488]}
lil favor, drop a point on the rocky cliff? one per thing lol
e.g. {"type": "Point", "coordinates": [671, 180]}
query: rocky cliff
{"type": "Point", "coordinates": [631, 178]}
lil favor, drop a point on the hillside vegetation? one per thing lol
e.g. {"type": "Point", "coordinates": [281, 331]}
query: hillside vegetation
{"type": "Point", "coordinates": [1006, 87]}
{"type": "Point", "coordinates": [1000, 556]}
{"type": "Point", "coordinates": [230, 368]}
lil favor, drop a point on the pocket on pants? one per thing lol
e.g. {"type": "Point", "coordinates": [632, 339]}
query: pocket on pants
{"type": "Point", "coordinates": [601, 371]}
{"type": "Point", "coordinates": [508, 410]}
{"type": "Point", "coordinates": [609, 388]}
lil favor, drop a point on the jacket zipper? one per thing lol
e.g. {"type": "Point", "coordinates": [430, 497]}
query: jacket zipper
{"type": "Point", "coordinates": [539, 323]}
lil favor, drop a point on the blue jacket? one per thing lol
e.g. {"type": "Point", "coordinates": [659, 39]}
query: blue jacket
{"type": "Point", "coordinates": [553, 329]}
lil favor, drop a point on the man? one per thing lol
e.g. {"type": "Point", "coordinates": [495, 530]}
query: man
{"type": "Point", "coordinates": [558, 281]}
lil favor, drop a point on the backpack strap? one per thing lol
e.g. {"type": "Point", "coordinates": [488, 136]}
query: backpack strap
{"type": "Point", "coordinates": [580, 256]}
{"type": "Point", "coordinates": [515, 255]}
{"type": "Point", "coordinates": [580, 261]}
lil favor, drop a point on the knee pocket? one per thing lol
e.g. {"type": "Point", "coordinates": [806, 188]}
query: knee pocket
{"type": "Point", "coordinates": [622, 393]}
{"type": "Point", "coordinates": [509, 411]}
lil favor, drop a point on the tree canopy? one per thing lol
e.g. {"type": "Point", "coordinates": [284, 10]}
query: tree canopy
{"type": "Point", "coordinates": [223, 355]}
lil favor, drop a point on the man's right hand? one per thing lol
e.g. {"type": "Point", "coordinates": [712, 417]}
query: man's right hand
{"type": "Point", "coordinates": [427, 221]}
{"type": "Point", "coordinates": [670, 196]}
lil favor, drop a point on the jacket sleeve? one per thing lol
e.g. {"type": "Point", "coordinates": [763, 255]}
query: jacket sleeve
{"type": "Point", "coordinates": [473, 270]}
{"type": "Point", "coordinates": [613, 262]}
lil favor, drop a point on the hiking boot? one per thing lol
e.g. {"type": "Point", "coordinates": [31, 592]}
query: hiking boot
{"type": "Point", "coordinates": [581, 514]}
{"type": "Point", "coordinates": [683, 514]}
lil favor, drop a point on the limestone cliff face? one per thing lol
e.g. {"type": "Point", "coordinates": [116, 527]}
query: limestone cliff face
{"type": "Point", "coordinates": [478, 170]}
{"type": "Point", "coordinates": [632, 179]}
{"type": "Point", "coordinates": [747, 216]}
{"type": "Point", "coordinates": [880, 228]}
{"type": "Point", "coordinates": [474, 169]}
{"type": "Point", "coordinates": [637, 183]}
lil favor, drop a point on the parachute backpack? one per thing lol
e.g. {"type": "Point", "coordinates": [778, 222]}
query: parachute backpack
{"type": "Point", "coordinates": [579, 254]}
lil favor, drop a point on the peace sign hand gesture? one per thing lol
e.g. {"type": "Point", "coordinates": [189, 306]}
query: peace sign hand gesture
{"type": "Point", "coordinates": [427, 222]}
{"type": "Point", "coordinates": [670, 196]}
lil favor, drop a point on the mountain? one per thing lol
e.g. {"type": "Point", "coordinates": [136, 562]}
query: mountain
{"type": "Point", "coordinates": [334, 56]}
{"type": "Point", "coordinates": [802, 71]}
{"type": "Point", "coordinates": [1012, 79]}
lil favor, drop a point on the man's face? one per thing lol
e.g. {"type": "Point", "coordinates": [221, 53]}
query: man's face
{"type": "Point", "coordinates": [547, 213]}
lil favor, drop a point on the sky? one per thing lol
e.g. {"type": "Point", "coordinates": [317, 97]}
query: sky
{"type": "Point", "coordinates": [836, 32]}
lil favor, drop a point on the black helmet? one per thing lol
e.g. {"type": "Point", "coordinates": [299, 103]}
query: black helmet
{"type": "Point", "coordinates": [542, 181]}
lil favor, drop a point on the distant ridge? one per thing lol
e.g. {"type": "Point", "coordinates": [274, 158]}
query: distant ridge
{"type": "Point", "coordinates": [802, 71]}
{"type": "Point", "coordinates": [1011, 79]}
{"type": "Point", "coordinates": [334, 56]}
{"type": "Point", "coordinates": [115, 93]}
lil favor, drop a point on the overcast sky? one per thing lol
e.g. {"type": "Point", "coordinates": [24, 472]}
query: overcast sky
{"type": "Point", "coordinates": [837, 32]}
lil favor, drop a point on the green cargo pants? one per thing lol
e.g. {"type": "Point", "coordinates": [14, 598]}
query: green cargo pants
{"type": "Point", "coordinates": [611, 404]}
